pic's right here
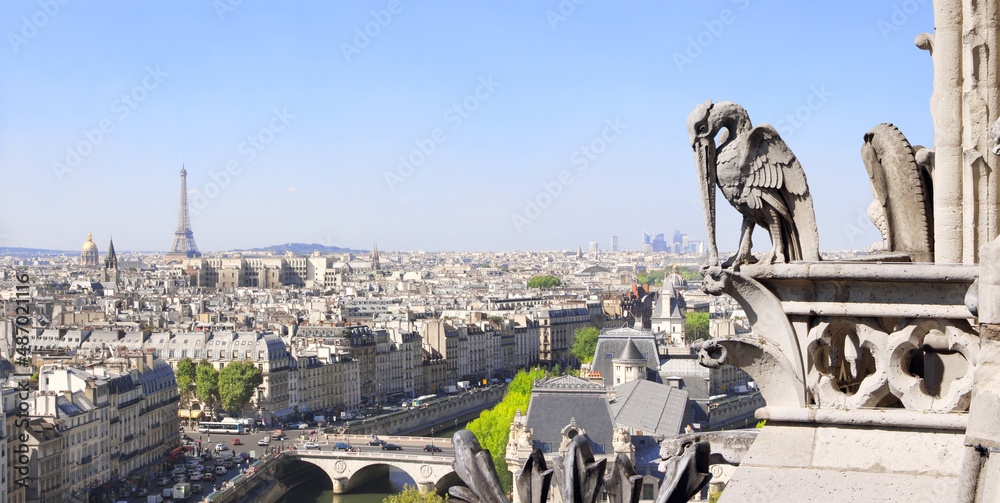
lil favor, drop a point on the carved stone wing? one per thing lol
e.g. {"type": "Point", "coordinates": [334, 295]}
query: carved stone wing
{"type": "Point", "coordinates": [533, 479]}
{"type": "Point", "coordinates": [578, 476]}
{"type": "Point", "coordinates": [773, 169]}
{"type": "Point", "coordinates": [622, 484]}
{"type": "Point", "coordinates": [474, 466]}
{"type": "Point", "coordinates": [685, 474]}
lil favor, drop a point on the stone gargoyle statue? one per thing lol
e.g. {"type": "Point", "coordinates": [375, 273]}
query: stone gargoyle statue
{"type": "Point", "coordinates": [759, 176]}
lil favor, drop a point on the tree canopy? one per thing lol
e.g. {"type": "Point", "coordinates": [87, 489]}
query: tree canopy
{"type": "Point", "coordinates": [544, 282]}
{"type": "Point", "coordinates": [695, 326]}
{"type": "Point", "coordinates": [411, 494]}
{"type": "Point", "coordinates": [492, 428]}
{"type": "Point", "coordinates": [237, 383]}
{"type": "Point", "coordinates": [651, 277]}
{"type": "Point", "coordinates": [584, 344]}
{"type": "Point", "coordinates": [186, 375]}
{"type": "Point", "coordinates": [207, 384]}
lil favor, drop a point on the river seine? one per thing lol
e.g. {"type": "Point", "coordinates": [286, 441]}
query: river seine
{"type": "Point", "coordinates": [373, 492]}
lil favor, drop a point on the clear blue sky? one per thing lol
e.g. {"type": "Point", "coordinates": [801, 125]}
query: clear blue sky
{"type": "Point", "coordinates": [200, 80]}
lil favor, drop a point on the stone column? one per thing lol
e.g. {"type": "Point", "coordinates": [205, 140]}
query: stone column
{"type": "Point", "coordinates": [340, 485]}
{"type": "Point", "coordinates": [979, 82]}
{"type": "Point", "coordinates": [980, 476]}
{"type": "Point", "coordinates": [946, 109]}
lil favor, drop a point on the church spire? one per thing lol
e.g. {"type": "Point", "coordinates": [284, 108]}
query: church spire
{"type": "Point", "coordinates": [111, 261]}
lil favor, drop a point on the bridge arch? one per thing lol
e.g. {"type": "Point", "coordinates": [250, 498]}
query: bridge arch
{"type": "Point", "coordinates": [349, 470]}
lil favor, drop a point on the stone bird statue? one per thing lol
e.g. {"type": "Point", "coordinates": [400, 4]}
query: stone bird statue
{"type": "Point", "coordinates": [759, 176]}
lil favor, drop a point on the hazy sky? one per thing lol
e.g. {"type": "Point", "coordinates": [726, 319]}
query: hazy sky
{"type": "Point", "coordinates": [311, 106]}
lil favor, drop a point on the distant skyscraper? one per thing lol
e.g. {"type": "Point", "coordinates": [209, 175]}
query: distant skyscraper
{"type": "Point", "coordinates": [614, 243]}
{"type": "Point", "coordinates": [593, 246]}
{"type": "Point", "coordinates": [375, 264]}
{"type": "Point", "coordinates": [183, 246]}
{"type": "Point", "coordinates": [659, 243]}
{"type": "Point", "coordinates": [647, 238]}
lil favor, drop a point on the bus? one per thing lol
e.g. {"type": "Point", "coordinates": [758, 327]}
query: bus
{"type": "Point", "coordinates": [223, 427]}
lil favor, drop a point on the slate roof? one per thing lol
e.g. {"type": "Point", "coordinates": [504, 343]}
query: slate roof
{"type": "Point", "coordinates": [611, 343]}
{"type": "Point", "coordinates": [557, 401]}
{"type": "Point", "coordinates": [630, 352]}
{"type": "Point", "coordinates": [655, 409]}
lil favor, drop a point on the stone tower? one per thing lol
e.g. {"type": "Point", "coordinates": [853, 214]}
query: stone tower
{"type": "Point", "coordinates": [109, 272]}
{"type": "Point", "coordinates": [629, 365]}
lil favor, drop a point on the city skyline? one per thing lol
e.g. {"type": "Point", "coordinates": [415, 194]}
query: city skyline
{"type": "Point", "coordinates": [433, 129]}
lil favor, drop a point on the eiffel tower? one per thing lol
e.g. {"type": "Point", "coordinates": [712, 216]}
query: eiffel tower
{"type": "Point", "coordinates": [183, 246]}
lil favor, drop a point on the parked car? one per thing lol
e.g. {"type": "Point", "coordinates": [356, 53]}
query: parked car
{"type": "Point", "coordinates": [197, 489]}
{"type": "Point", "coordinates": [376, 442]}
{"type": "Point", "coordinates": [391, 447]}
{"type": "Point", "coordinates": [264, 441]}
{"type": "Point", "coordinates": [342, 445]}
{"type": "Point", "coordinates": [195, 476]}
{"type": "Point", "coordinates": [310, 445]}
{"type": "Point", "coordinates": [227, 463]}
{"type": "Point", "coordinates": [431, 448]}
{"type": "Point", "coordinates": [220, 470]}
{"type": "Point", "coordinates": [210, 476]}
{"type": "Point", "coordinates": [237, 441]}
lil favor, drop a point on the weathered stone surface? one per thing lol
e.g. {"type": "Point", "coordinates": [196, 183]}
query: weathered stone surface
{"type": "Point", "coordinates": [902, 209]}
{"type": "Point", "coordinates": [760, 176]}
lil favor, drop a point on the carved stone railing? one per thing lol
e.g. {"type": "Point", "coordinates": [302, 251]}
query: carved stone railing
{"type": "Point", "coordinates": [867, 368]}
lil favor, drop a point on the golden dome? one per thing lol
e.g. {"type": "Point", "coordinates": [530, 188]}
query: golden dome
{"type": "Point", "coordinates": [89, 245]}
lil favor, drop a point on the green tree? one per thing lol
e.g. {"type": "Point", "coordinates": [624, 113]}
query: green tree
{"type": "Point", "coordinates": [544, 282]}
{"type": "Point", "coordinates": [695, 326]}
{"type": "Point", "coordinates": [492, 428]}
{"type": "Point", "coordinates": [207, 384]}
{"type": "Point", "coordinates": [410, 494]}
{"type": "Point", "coordinates": [652, 277]}
{"type": "Point", "coordinates": [237, 383]}
{"type": "Point", "coordinates": [690, 273]}
{"type": "Point", "coordinates": [584, 344]}
{"type": "Point", "coordinates": [187, 372]}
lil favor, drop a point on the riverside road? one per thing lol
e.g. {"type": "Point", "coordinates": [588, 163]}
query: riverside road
{"type": "Point", "coordinates": [293, 439]}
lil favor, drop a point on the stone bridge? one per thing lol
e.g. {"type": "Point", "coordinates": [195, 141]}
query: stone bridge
{"type": "Point", "coordinates": [348, 470]}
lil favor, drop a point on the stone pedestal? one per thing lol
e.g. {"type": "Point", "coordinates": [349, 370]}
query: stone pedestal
{"type": "Point", "coordinates": [868, 372]}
